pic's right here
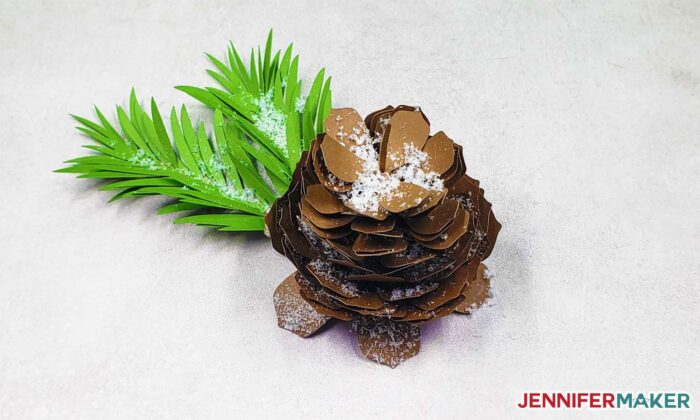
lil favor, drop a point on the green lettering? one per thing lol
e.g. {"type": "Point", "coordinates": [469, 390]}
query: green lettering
{"type": "Point", "coordinates": [640, 401]}
{"type": "Point", "coordinates": [624, 399]}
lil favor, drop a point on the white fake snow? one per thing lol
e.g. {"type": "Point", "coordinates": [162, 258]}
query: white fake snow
{"type": "Point", "coordinates": [271, 121]}
{"type": "Point", "coordinates": [372, 184]}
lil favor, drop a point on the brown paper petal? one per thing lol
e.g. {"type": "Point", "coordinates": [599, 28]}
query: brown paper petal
{"type": "Point", "coordinates": [491, 235]}
{"type": "Point", "coordinates": [341, 123]}
{"type": "Point", "coordinates": [405, 127]}
{"type": "Point", "coordinates": [330, 278]}
{"type": "Point", "coordinates": [433, 199]}
{"type": "Point", "coordinates": [323, 221]}
{"type": "Point", "coordinates": [448, 290]}
{"type": "Point", "coordinates": [395, 233]}
{"type": "Point", "coordinates": [407, 292]}
{"type": "Point", "coordinates": [365, 225]}
{"type": "Point", "coordinates": [453, 233]}
{"type": "Point", "coordinates": [436, 220]}
{"type": "Point", "coordinates": [380, 214]}
{"type": "Point", "coordinates": [475, 292]}
{"type": "Point", "coordinates": [377, 121]}
{"type": "Point", "coordinates": [448, 308]}
{"type": "Point", "coordinates": [340, 160]}
{"type": "Point", "coordinates": [415, 314]}
{"type": "Point", "coordinates": [440, 151]}
{"type": "Point", "coordinates": [398, 260]}
{"type": "Point", "coordinates": [340, 314]}
{"type": "Point", "coordinates": [427, 238]}
{"type": "Point", "coordinates": [368, 300]}
{"type": "Point", "coordinates": [404, 197]}
{"type": "Point", "coordinates": [337, 233]}
{"type": "Point", "coordinates": [294, 313]}
{"type": "Point", "coordinates": [327, 179]}
{"type": "Point", "coordinates": [413, 108]}
{"type": "Point", "coordinates": [387, 342]}
{"type": "Point", "coordinates": [323, 201]}
{"type": "Point", "coordinates": [378, 245]}
{"type": "Point", "coordinates": [378, 278]}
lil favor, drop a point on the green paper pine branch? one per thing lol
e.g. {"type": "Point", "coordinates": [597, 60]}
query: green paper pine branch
{"type": "Point", "coordinates": [265, 102]}
{"type": "Point", "coordinates": [231, 178]}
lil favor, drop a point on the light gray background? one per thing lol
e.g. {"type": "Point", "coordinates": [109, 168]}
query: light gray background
{"type": "Point", "coordinates": [581, 120]}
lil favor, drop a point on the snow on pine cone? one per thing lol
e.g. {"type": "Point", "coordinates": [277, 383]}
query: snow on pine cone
{"type": "Point", "coordinates": [381, 221]}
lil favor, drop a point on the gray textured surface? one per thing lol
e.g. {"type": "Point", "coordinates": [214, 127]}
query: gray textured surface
{"type": "Point", "coordinates": [581, 120]}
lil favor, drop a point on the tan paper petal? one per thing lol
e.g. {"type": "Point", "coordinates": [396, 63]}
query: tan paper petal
{"type": "Point", "coordinates": [294, 313]}
{"type": "Point", "coordinates": [342, 122]}
{"type": "Point", "coordinates": [405, 127]}
{"type": "Point", "coordinates": [324, 221]}
{"type": "Point", "coordinates": [323, 200]}
{"type": "Point", "coordinates": [378, 245]}
{"type": "Point", "coordinates": [327, 179]}
{"type": "Point", "coordinates": [387, 342]}
{"type": "Point", "coordinates": [404, 197]}
{"type": "Point", "coordinates": [440, 151]}
{"type": "Point", "coordinates": [340, 160]}
{"type": "Point", "coordinates": [378, 120]}
{"type": "Point", "coordinates": [433, 199]}
{"type": "Point", "coordinates": [380, 214]}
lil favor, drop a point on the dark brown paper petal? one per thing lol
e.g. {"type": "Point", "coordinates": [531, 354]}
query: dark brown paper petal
{"type": "Point", "coordinates": [340, 160]}
{"type": "Point", "coordinates": [340, 314]}
{"type": "Point", "coordinates": [440, 151]}
{"type": "Point", "coordinates": [379, 278]}
{"type": "Point", "coordinates": [448, 290]}
{"type": "Point", "coordinates": [331, 278]}
{"type": "Point", "coordinates": [436, 220]}
{"type": "Point", "coordinates": [491, 234]}
{"type": "Point", "coordinates": [448, 308]}
{"type": "Point", "coordinates": [453, 233]}
{"type": "Point", "coordinates": [387, 342]}
{"type": "Point", "coordinates": [408, 291]}
{"type": "Point", "coordinates": [323, 201]}
{"type": "Point", "coordinates": [366, 225]}
{"type": "Point", "coordinates": [398, 260]}
{"type": "Point", "coordinates": [405, 127]}
{"type": "Point", "coordinates": [475, 292]}
{"type": "Point", "coordinates": [294, 313]}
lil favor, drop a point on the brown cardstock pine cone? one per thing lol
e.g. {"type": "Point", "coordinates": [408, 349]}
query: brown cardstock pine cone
{"type": "Point", "coordinates": [384, 228]}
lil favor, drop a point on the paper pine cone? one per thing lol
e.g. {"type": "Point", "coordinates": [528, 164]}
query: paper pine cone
{"type": "Point", "coordinates": [384, 228]}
